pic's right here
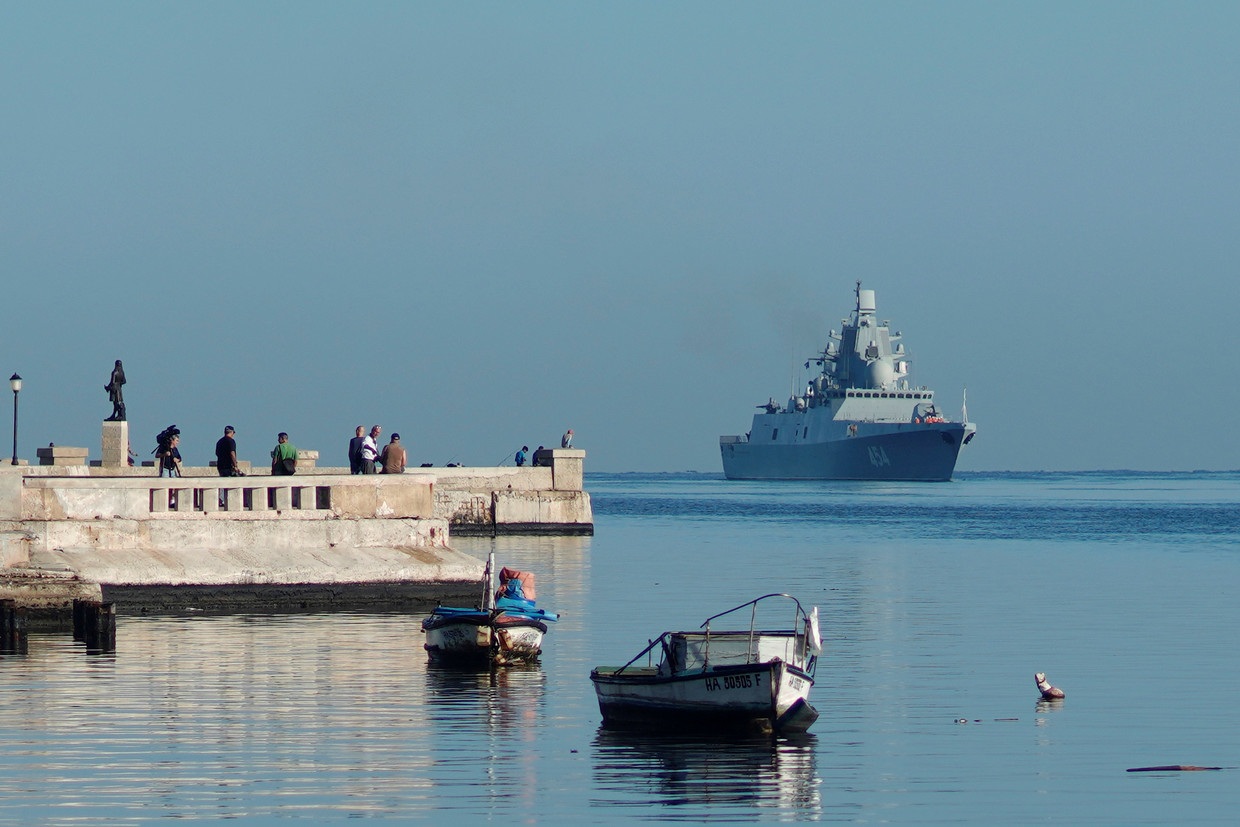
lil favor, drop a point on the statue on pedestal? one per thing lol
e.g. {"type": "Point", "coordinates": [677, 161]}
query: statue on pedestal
{"type": "Point", "coordinates": [114, 393]}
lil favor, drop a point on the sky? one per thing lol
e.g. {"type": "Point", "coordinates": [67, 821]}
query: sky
{"type": "Point", "coordinates": [480, 224]}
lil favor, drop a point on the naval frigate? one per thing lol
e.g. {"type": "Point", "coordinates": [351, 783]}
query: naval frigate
{"type": "Point", "coordinates": [857, 419]}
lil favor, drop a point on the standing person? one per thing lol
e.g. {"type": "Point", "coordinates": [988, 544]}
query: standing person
{"type": "Point", "coordinates": [520, 457]}
{"type": "Point", "coordinates": [283, 457]}
{"type": "Point", "coordinates": [394, 456]}
{"type": "Point", "coordinates": [355, 451]}
{"type": "Point", "coordinates": [370, 450]}
{"type": "Point", "coordinates": [170, 457]}
{"type": "Point", "coordinates": [226, 454]}
{"type": "Point", "coordinates": [566, 441]}
{"type": "Point", "coordinates": [115, 396]}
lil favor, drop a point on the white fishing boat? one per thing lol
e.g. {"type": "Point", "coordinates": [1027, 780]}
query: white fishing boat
{"type": "Point", "coordinates": [507, 628]}
{"type": "Point", "coordinates": [729, 678]}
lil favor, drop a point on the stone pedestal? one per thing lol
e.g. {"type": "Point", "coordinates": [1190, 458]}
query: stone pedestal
{"type": "Point", "coordinates": [115, 445]}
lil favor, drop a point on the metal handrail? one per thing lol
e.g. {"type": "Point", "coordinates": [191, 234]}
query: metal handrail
{"type": "Point", "coordinates": [798, 615]}
{"type": "Point", "coordinates": [753, 619]}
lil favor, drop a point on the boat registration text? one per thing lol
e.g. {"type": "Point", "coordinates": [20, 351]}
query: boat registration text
{"type": "Point", "coordinates": [715, 684]}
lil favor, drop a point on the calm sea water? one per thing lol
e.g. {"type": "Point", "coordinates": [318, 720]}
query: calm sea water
{"type": "Point", "coordinates": [939, 603]}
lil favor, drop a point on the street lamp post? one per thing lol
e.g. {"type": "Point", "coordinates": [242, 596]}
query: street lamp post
{"type": "Point", "coordinates": [15, 382]}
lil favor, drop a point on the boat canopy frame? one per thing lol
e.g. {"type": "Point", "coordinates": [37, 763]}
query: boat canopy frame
{"type": "Point", "coordinates": [800, 628]}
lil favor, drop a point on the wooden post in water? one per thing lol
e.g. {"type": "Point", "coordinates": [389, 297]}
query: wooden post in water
{"type": "Point", "coordinates": [94, 624]}
{"type": "Point", "coordinates": [12, 626]}
{"type": "Point", "coordinates": [79, 619]}
{"type": "Point", "coordinates": [107, 627]}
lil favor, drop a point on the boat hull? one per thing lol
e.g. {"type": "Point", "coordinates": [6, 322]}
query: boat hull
{"type": "Point", "coordinates": [771, 696]}
{"type": "Point", "coordinates": [923, 452]}
{"type": "Point", "coordinates": [483, 638]}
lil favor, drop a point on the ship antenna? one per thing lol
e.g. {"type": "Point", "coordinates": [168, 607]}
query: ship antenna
{"type": "Point", "coordinates": [964, 406]}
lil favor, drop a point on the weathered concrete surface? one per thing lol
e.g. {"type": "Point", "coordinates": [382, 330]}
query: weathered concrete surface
{"type": "Point", "coordinates": [253, 566]}
{"type": "Point", "coordinates": [46, 591]}
{"type": "Point", "coordinates": [322, 538]}
{"type": "Point", "coordinates": [75, 497]}
{"type": "Point", "coordinates": [340, 542]}
{"type": "Point", "coordinates": [219, 532]}
{"type": "Point", "coordinates": [510, 500]}
{"type": "Point", "coordinates": [62, 455]}
{"type": "Point", "coordinates": [515, 512]}
{"type": "Point", "coordinates": [289, 597]}
{"type": "Point", "coordinates": [472, 500]}
{"type": "Point", "coordinates": [250, 579]}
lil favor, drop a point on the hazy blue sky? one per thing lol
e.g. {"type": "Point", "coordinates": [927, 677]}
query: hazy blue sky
{"type": "Point", "coordinates": [480, 224]}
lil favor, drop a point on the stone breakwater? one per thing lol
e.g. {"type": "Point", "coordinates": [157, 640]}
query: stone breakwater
{"type": "Point", "coordinates": [319, 539]}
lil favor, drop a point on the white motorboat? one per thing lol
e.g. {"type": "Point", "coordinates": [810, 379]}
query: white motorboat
{"type": "Point", "coordinates": [715, 678]}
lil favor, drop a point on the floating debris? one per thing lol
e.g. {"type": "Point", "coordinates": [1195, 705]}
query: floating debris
{"type": "Point", "coordinates": [1176, 768]}
{"type": "Point", "coordinates": [1049, 693]}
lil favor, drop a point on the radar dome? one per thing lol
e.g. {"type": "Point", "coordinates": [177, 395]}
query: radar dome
{"type": "Point", "coordinates": [881, 373]}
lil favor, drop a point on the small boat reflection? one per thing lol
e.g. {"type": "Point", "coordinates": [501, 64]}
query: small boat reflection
{"type": "Point", "coordinates": [446, 679]}
{"type": "Point", "coordinates": [638, 767]}
{"type": "Point", "coordinates": [494, 701]}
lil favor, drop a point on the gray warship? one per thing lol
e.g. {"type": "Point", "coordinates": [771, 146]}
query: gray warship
{"type": "Point", "coordinates": [858, 419]}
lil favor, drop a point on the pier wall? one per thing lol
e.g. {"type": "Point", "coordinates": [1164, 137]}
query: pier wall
{"type": "Point", "coordinates": [241, 542]}
{"type": "Point", "coordinates": [321, 537]}
{"type": "Point", "coordinates": [548, 499]}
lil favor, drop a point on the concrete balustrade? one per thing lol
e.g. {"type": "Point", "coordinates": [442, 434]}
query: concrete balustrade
{"type": "Point", "coordinates": [234, 498]}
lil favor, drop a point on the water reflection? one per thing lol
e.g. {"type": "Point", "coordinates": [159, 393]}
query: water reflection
{"type": "Point", "coordinates": [492, 719]}
{"type": "Point", "coordinates": [641, 769]}
{"type": "Point", "coordinates": [499, 701]}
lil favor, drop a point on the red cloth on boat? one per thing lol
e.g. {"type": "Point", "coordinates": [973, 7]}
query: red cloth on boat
{"type": "Point", "coordinates": [526, 578]}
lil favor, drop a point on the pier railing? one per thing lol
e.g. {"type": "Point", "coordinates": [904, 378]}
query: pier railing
{"type": "Point", "coordinates": [544, 499]}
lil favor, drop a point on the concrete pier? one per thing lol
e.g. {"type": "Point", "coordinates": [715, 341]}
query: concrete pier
{"type": "Point", "coordinates": [547, 499]}
{"type": "Point", "coordinates": [319, 539]}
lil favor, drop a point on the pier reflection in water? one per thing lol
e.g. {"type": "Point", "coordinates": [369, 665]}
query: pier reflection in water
{"type": "Point", "coordinates": [327, 715]}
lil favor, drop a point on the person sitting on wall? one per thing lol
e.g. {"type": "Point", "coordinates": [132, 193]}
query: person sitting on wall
{"type": "Point", "coordinates": [394, 456]}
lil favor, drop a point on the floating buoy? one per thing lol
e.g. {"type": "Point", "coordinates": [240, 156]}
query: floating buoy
{"type": "Point", "coordinates": [1049, 693]}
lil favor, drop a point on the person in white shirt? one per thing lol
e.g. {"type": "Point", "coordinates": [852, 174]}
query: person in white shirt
{"type": "Point", "coordinates": [370, 450]}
